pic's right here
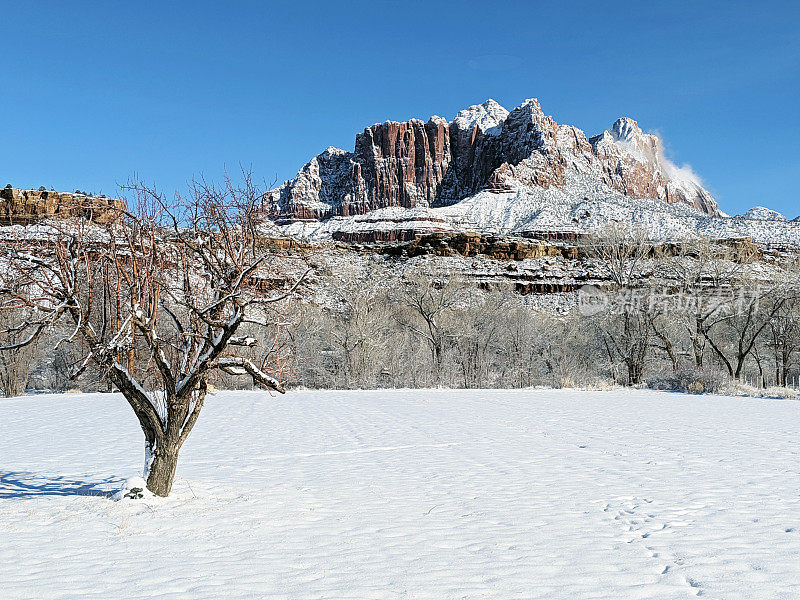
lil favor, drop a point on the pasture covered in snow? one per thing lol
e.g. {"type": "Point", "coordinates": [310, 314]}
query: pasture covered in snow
{"type": "Point", "coordinates": [408, 494]}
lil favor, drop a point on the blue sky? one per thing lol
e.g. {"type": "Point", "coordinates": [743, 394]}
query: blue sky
{"type": "Point", "coordinates": [93, 93]}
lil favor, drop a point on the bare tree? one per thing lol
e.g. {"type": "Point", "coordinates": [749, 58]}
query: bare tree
{"type": "Point", "coordinates": [784, 339]}
{"type": "Point", "coordinates": [704, 273]}
{"type": "Point", "coordinates": [627, 339]}
{"type": "Point", "coordinates": [359, 321]}
{"type": "Point", "coordinates": [563, 345]}
{"type": "Point", "coordinates": [15, 363]}
{"type": "Point", "coordinates": [627, 330]}
{"type": "Point", "coordinates": [662, 330]}
{"type": "Point", "coordinates": [428, 301]}
{"type": "Point", "coordinates": [734, 331]}
{"type": "Point", "coordinates": [523, 338]}
{"type": "Point", "coordinates": [158, 299]}
{"type": "Point", "coordinates": [477, 336]}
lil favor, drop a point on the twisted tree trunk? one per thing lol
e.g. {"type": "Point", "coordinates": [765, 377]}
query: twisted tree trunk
{"type": "Point", "coordinates": [161, 455]}
{"type": "Point", "coordinates": [163, 463]}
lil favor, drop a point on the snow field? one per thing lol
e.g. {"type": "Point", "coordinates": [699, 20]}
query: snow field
{"type": "Point", "coordinates": [409, 494]}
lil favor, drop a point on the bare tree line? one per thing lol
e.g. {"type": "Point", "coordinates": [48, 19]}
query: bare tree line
{"type": "Point", "coordinates": [162, 305]}
{"type": "Point", "coordinates": [697, 316]}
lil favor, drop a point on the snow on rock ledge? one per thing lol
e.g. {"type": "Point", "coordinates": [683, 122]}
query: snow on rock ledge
{"type": "Point", "coordinates": [760, 213]}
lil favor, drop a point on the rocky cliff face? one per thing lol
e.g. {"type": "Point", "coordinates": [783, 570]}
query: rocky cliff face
{"type": "Point", "coordinates": [485, 147]}
{"type": "Point", "coordinates": [401, 164]}
{"type": "Point", "coordinates": [29, 206]}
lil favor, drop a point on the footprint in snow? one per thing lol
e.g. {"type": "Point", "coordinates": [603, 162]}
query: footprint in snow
{"type": "Point", "coordinates": [695, 585]}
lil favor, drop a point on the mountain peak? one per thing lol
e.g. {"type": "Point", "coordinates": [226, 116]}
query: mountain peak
{"type": "Point", "coordinates": [532, 104]}
{"type": "Point", "coordinates": [626, 129]}
{"type": "Point", "coordinates": [486, 116]}
{"type": "Point", "coordinates": [491, 105]}
{"type": "Point", "coordinates": [761, 213]}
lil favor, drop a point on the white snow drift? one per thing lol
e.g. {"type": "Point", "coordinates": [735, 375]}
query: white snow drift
{"type": "Point", "coordinates": [443, 494]}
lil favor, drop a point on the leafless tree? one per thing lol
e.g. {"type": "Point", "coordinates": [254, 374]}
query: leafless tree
{"type": "Point", "coordinates": [627, 329]}
{"type": "Point", "coordinates": [359, 320]}
{"type": "Point", "coordinates": [523, 339]}
{"type": "Point", "coordinates": [734, 331]}
{"type": "Point", "coordinates": [784, 339]}
{"type": "Point", "coordinates": [704, 272]}
{"type": "Point", "coordinates": [15, 363]}
{"type": "Point", "coordinates": [158, 298]}
{"type": "Point", "coordinates": [428, 300]}
{"type": "Point", "coordinates": [477, 337]}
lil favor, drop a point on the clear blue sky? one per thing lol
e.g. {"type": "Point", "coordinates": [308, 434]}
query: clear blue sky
{"type": "Point", "coordinates": [95, 92]}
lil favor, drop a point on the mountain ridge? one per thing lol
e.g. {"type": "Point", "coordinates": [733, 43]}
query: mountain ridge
{"type": "Point", "coordinates": [485, 147]}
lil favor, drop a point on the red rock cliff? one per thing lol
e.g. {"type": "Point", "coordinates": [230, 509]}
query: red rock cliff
{"type": "Point", "coordinates": [485, 147]}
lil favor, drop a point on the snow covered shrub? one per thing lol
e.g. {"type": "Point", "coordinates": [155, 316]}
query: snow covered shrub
{"type": "Point", "coordinates": [594, 384]}
{"type": "Point", "coordinates": [739, 388]}
{"type": "Point", "coordinates": [780, 392]}
{"type": "Point", "coordinates": [697, 387]}
{"type": "Point", "coordinates": [690, 380]}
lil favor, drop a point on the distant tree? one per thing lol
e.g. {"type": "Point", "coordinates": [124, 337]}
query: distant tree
{"type": "Point", "coordinates": [169, 286]}
{"type": "Point", "coordinates": [626, 330]}
{"type": "Point", "coordinates": [428, 300]}
{"type": "Point", "coordinates": [703, 272]}
{"type": "Point", "coordinates": [358, 323]}
{"type": "Point", "coordinates": [477, 335]}
{"type": "Point", "coordinates": [783, 339]}
{"type": "Point", "coordinates": [15, 362]}
{"type": "Point", "coordinates": [735, 330]}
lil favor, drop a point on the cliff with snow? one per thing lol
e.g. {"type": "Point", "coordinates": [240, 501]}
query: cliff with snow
{"type": "Point", "coordinates": [485, 147]}
{"type": "Point", "coordinates": [513, 172]}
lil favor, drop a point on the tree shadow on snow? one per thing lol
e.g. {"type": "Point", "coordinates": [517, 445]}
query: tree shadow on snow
{"type": "Point", "coordinates": [30, 485]}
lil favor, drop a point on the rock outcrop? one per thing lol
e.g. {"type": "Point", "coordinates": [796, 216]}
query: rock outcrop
{"type": "Point", "coordinates": [29, 206]}
{"type": "Point", "coordinates": [401, 164]}
{"type": "Point", "coordinates": [485, 147]}
{"type": "Point", "coordinates": [760, 213]}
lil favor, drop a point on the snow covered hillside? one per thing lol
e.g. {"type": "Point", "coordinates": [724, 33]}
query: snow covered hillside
{"type": "Point", "coordinates": [409, 494]}
{"type": "Point", "coordinates": [582, 206]}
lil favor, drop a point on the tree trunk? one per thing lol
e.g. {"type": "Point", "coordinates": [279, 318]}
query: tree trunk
{"type": "Point", "coordinates": [697, 347]}
{"type": "Point", "coordinates": [13, 385]}
{"type": "Point", "coordinates": [740, 364]}
{"type": "Point", "coordinates": [635, 372]}
{"type": "Point", "coordinates": [162, 468]}
{"type": "Point", "coordinates": [182, 414]}
{"type": "Point", "coordinates": [13, 374]}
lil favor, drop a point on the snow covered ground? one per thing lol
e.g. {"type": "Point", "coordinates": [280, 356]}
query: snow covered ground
{"type": "Point", "coordinates": [409, 494]}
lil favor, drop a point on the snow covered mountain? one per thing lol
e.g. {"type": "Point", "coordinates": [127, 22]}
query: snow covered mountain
{"type": "Point", "coordinates": [484, 147]}
{"type": "Point", "coordinates": [492, 170]}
